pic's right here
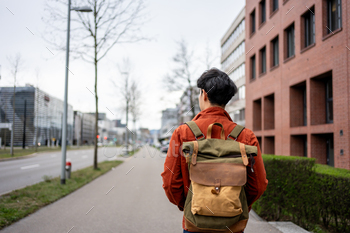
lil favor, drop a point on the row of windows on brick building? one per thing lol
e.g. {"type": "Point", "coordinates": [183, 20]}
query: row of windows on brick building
{"type": "Point", "coordinates": [334, 23]}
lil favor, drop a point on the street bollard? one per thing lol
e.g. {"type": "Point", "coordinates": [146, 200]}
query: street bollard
{"type": "Point", "coordinates": [68, 169]}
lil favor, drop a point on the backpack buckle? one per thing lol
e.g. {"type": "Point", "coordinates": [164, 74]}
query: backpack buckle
{"type": "Point", "coordinates": [228, 136]}
{"type": "Point", "coordinates": [199, 136]}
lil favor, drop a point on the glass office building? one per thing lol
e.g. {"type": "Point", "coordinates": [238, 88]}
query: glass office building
{"type": "Point", "coordinates": [38, 117]}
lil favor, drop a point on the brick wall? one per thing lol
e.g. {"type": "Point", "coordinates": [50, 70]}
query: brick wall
{"type": "Point", "coordinates": [328, 54]}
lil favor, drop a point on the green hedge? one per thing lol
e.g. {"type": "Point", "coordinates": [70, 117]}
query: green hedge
{"type": "Point", "coordinates": [307, 193]}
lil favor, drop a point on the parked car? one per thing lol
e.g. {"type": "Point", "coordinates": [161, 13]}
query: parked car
{"type": "Point", "coordinates": [164, 148]}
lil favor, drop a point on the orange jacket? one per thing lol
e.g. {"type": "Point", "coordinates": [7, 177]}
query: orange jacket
{"type": "Point", "coordinates": [176, 175]}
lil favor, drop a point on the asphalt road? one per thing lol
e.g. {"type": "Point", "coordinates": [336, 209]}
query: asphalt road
{"type": "Point", "coordinates": [15, 174]}
{"type": "Point", "coordinates": [129, 198]}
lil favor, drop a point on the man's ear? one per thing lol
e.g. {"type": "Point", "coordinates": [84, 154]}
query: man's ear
{"type": "Point", "coordinates": [205, 95]}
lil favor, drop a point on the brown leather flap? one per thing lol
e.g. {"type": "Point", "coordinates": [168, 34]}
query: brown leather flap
{"type": "Point", "coordinates": [230, 174]}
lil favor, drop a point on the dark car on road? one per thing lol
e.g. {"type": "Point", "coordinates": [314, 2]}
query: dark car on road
{"type": "Point", "coordinates": [164, 147]}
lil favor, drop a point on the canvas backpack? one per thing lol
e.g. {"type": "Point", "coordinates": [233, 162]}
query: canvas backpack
{"type": "Point", "coordinates": [216, 200]}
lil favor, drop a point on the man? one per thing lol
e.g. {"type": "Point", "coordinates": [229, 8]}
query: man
{"type": "Point", "coordinates": [216, 90]}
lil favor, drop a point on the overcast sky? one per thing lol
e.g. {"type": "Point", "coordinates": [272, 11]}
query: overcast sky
{"type": "Point", "coordinates": [199, 22]}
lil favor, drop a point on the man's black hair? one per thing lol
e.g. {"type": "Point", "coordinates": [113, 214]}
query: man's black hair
{"type": "Point", "coordinates": [218, 85]}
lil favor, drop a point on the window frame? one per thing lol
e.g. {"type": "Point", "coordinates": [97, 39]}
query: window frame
{"type": "Point", "coordinates": [263, 63]}
{"type": "Point", "coordinates": [262, 15]}
{"type": "Point", "coordinates": [309, 28]}
{"type": "Point", "coordinates": [289, 33]}
{"type": "Point", "coordinates": [329, 101]}
{"type": "Point", "coordinates": [253, 68]}
{"type": "Point", "coordinates": [338, 14]}
{"type": "Point", "coordinates": [274, 6]}
{"type": "Point", "coordinates": [252, 22]}
{"type": "Point", "coordinates": [274, 54]}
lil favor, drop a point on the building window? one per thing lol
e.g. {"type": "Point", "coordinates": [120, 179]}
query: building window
{"type": "Point", "coordinates": [333, 15]}
{"type": "Point", "coordinates": [235, 54]}
{"type": "Point", "coordinates": [263, 60]}
{"type": "Point", "coordinates": [252, 67]}
{"type": "Point", "coordinates": [239, 115]}
{"type": "Point", "coordinates": [298, 107]}
{"type": "Point", "coordinates": [252, 22]}
{"type": "Point", "coordinates": [290, 43]}
{"type": "Point", "coordinates": [322, 148]}
{"type": "Point", "coordinates": [329, 101]}
{"type": "Point", "coordinates": [304, 106]}
{"type": "Point", "coordinates": [238, 73]}
{"type": "Point", "coordinates": [275, 51]}
{"type": "Point", "coordinates": [298, 145]}
{"type": "Point", "coordinates": [330, 150]}
{"type": "Point", "coordinates": [240, 95]}
{"type": "Point", "coordinates": [274, 6]}
{"type": "Point", "coordinates": [257, 118]}
{"type": "Point", "coordinates": [234, 35]}
{"type": "Point", "coordinates": [309, 27]}
{"type": "Point", "coordinates": [269, 112]}
{"type": "Point", "coordinates": [321, 102]}
{"type": "Point", "coordinates": [262, 11]}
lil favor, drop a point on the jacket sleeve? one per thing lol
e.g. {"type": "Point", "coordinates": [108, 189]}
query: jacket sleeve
{"type": "Point", "coordinates": [257, 182]}
{"type": "Point", "coordinates": [172, 176]}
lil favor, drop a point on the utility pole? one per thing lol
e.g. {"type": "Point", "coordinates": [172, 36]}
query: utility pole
{"type": "Point", "coordinates": [65, 101]}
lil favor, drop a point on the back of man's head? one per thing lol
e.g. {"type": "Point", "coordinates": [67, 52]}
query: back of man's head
{"type": "Point", "coordinates": [218, 86]}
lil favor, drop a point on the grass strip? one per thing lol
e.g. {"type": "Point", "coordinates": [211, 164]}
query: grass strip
{"type": "Point", "coordinates": [22, 202]}
{"type": "Point", "coordinates": [23, 152]}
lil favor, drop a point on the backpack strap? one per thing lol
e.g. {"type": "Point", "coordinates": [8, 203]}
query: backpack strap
{"type": "Point", "coordinates": [235, 132]}
{"type": "Point", "coordinates": [195, 129]}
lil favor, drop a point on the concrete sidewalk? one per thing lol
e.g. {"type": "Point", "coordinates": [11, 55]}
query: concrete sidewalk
{"type": "Point", "coordinates": [129, 198]}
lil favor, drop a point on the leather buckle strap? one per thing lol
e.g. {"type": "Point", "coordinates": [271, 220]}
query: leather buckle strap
{"type": "Point", "coordinates": [244, 154]}
{"type": "Point", "coordinates": [216, 189]}
{"type": "Point", "coordinates": [195, 152]}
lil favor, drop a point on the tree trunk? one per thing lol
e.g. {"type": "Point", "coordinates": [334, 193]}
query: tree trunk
{"type": "Point", "coordinates": [96, 116]}
{"type": "Point", "coordinates": [134, 135]}
{"type": "Point", "coordinates": [191, 102]}
{"type": "Point", "coordinates": [96, 96]}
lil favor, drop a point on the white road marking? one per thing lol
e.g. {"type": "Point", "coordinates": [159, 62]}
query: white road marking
{"type": "Point", "coordinates": [30, 166]}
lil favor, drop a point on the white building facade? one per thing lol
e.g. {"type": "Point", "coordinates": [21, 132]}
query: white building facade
{"type": "Point", "coordinates": [233, 63]}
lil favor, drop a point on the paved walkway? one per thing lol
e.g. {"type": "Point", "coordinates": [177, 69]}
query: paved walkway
{"type": "Point", "coordinates": [129, 198]}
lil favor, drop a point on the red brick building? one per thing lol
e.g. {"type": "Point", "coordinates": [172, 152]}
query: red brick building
{"type": "Point", "coordinates": [298, 78]}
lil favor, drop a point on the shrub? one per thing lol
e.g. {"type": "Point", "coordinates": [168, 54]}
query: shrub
{"type": "Point", "coordinates": [309, 194]}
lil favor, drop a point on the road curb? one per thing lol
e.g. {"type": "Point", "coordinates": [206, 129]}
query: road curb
{"type": "Point", "coordinates": [19, 157]}
{"type": "Point", "coordinates": [288, 227]}
{"type": "Point", "coordinates": [256, 216]}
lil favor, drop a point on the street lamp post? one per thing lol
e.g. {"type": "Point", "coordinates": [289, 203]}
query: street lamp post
{"type": "Point", "coordinates": [65, 107]}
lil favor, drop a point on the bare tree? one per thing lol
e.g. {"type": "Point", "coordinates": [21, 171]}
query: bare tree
{"type": "Point", "coordinates": [182, 76]}
{"type": "Point", "coordinates": [111, 22]}
{"type": "Point", "coordinates": [209, 57]}
{"type": "Point", "coordinates": [135, 102]}
{"type": "Point", "coordinates": [124, 90]}
{"type": "Point", "coordinates": [16, 64]}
